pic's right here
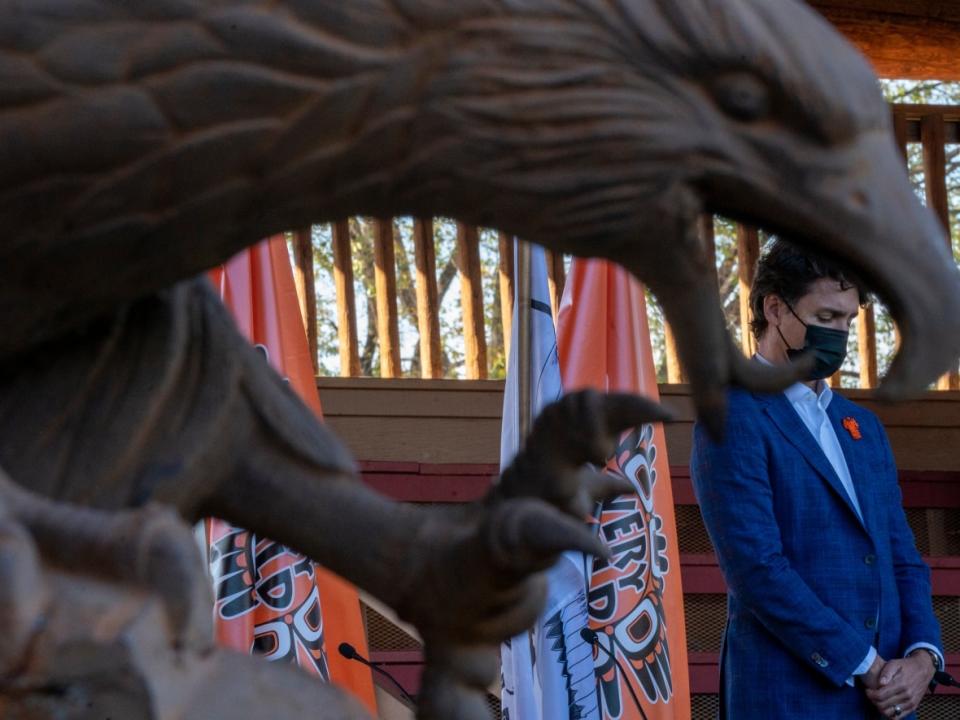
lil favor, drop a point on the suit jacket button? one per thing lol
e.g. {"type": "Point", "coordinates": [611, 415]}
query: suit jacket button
{"type": "Point", "coordinates": [870, 559]}
{"type": "Point", "coordinates": [870, 624]}
{"type": "Point", "coordinates": [818, 659]}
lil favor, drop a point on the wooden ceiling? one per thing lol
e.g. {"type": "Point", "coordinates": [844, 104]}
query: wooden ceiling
{"type": "Point", "coordinates": [918, 39]}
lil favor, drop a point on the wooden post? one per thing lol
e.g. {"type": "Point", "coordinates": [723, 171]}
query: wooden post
{"type": "Point", "coordinates": [306, 290]}
{"type": "Point", "coordinates": [346, 302]}
{"type": "Point", "coordinates": [524, 294]}
{"type": "Point", "coordinates": [900, 137]}
{"type": "Point", "coordinates": [708, 242]}
{"type": "Point", "coordinates": [674, 368]}
{"type": "Point", "coordinates": [867, 346]}
{"type": "Point", "coordinates": [933, 137]}
{"type": "Point", "coordinates": [708, 239]}
{"type": "Point", "coordinates": [471, 302]}
{"type": "Point", "coordinates": [428, 311]}
{"type": "Point", "coordinates": [900, 132]}
{"type": "Point", "coordinates": [385, 276]}
{"type": "Point", "coordinates": [505, 274]}
{"type": "Point", "coordinates": [748, 250]}
{"type": "Point", "coordinates": [556, 277]}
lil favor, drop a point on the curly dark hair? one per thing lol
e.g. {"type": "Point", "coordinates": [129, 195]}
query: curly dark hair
{"type": "Point", "coordinates": [785, 270]}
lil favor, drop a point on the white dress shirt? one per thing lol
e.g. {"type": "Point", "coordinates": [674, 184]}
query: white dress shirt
{"type": "Point", "coordinates": [812, 408]}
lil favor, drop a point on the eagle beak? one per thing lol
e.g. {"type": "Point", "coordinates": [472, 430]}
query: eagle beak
{"type": "Point", "coordinates": [854, 205]}
{"type": "Point", "coordinates": [690, 299]}
{"type": "Point", "coordinates": [873, 224]}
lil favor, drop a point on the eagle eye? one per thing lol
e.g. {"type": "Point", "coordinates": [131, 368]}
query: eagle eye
{"type": "Point", "coordinates": [742, 96]}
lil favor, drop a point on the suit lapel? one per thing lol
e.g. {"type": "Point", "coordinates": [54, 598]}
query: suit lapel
{"type": "Point", "coordinates": [795, 431]}
{"type": "Point", "coordinates": [855, 453]}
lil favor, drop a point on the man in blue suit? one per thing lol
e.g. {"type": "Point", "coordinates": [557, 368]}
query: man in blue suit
{"type": "Point", "coordinates": [829, 610]}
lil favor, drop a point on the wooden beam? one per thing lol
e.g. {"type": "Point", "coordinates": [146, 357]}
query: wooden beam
{"type": "Point", "coordinates": [915, 39]}
{"type": "Point", "coordinates": [912, 116]}
{"type": "Point", "coordinates": [748, 250]}
{"type": "Point", "coordinates": [945, 10]}
{"type": "Point", "coordinates": [933, 137]}
{"type": "Point", "coordinates": [674, 368]}
{"type": "Point", "coordinates": [306, 289]}
{"type": "Point", "coordinates": [505, 275]}
{"type": "Point", "coordinates": [428, 308]}
{"type": "Point", "coordinates": [521, 365]}
{"type": "Point", "coordinates": [471, 302]}
{"type": "Point", "coordinates": [385, 277]}
{"type": "Point", "coordinates": [867, 346]}
{"type": "Point", "coordinates": [705, 230]}
{"type": "Point", "coordinates": [900, 133]}
{"type": "Point", "coordinates": [900, 130]}
{"type": "Point", "coordinates": [556, 276]}
{"type": "Point", "coordinates": [346, 302]}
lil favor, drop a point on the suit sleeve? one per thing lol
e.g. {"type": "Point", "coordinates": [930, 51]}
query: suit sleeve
{"type": "Point", "coordinates": [733, 488]}
{"type": "Point", "coordinates": [918, 623]}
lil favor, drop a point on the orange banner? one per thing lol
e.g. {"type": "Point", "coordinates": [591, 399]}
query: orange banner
{"type": "Point", "coordinates": [271, 600]}
{"type": "Point", "coordinates": [635, 599]}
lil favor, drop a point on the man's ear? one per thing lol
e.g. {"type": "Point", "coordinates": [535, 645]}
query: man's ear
{"type": "Point", "coordinates": [772, 309]}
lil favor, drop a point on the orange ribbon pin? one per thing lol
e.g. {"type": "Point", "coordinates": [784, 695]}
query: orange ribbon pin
{"type": "Point", "coordinates": [852, 427]}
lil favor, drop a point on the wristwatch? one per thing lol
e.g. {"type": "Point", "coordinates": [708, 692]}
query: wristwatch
{"type": "Point", "coordinates": [934, 658]}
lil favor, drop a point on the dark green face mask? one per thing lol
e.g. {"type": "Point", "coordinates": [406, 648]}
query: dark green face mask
{"type": "Point", "coordinates": [827, 345]}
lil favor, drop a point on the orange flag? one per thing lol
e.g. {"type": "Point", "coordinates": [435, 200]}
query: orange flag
{"type": "Point", "coordinates": [271, 600]}
{"type": "Point", "coordinates": [635, 599]}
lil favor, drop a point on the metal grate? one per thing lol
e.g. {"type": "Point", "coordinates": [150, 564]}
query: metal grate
{"type": "Point", "coordinates": [384, 635]}
{"type": "Point", "coordinates": [494, 703]}
{"type": "Point", "coordinates": [705, 616]}
{"type": "Point", "coordinates": [691, 534]}
{"type": "Point", "coordinates": [704, 707]}
{"type": "Point", "coordinates": [939, 707]}
{"type": "Point", "coordinates": [947, 610]}
{"type": "Point", "coordinates": [935, 707]}
{"type": "Point", "coordinates": [936, 530]}
{"type": "Point", "coordinates": [917, 519]}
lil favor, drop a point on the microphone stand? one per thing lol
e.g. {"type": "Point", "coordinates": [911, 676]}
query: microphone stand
{"type": "Point", "coordinates": [350, 653]}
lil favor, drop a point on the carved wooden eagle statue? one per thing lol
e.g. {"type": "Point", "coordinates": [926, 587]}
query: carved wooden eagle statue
{"type": "Point", "coordinates": [142, 142]}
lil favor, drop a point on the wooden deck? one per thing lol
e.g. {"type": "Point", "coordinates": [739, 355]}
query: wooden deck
{"type": "Point", "coordinates": [458, 421]}
{"type": "Point", "coordinates": [437, 441]}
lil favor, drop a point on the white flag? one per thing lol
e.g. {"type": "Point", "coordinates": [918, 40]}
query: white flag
{"type": "Point", "coordinates": [548, 672]}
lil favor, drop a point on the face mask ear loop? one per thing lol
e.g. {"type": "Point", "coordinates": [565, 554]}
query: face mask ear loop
{"type": "Point", "coordinates": [792, 312]}
{"type": "Point", "coordinates": [780, 333]}
{"type": "Point", "coordinates": [786, 344]}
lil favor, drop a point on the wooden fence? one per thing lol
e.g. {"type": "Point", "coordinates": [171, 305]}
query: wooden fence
{"type": "Point", "coordinates": [926, 130]}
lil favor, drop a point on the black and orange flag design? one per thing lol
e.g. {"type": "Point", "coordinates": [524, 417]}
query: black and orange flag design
{"type": "Point", "coordinates": [635, 599]}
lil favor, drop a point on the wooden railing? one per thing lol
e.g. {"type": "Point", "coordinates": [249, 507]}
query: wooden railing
{"type": "Point", "coordinates": [928, 136]}
{"type": "Point", "coordinates": [934, 127]}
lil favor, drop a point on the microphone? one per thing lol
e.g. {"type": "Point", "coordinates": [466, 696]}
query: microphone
{"type": "Point", "coordinates": [591, 637]}
{"type": "Point", "coordinates": [942, 678]}
{"type": "Point", "coordinates": [350, 653]}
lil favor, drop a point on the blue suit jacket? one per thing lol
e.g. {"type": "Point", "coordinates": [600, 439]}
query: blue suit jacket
{"type": "Point", "coordinates": [811, 587]}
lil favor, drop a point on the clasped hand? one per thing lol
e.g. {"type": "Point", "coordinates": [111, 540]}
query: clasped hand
{"type": "Point", "coordinates": [898, 684]}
